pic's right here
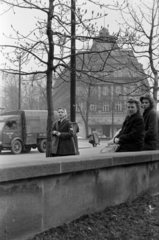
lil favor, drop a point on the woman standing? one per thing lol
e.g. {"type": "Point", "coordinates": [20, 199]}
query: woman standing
{"type": "Point", "coordinates": [131, 136]}
{"type": "Point", "coordinates": [150, 116]}
{"type": "Point", "coordinates": [63, 142]}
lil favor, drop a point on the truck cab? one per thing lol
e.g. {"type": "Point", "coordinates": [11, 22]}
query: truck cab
{"type": "Point", "coordinates": [10, 129]}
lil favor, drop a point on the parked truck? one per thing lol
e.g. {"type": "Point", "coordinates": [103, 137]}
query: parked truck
{"type": "Point", "coordinates": [22, 130]}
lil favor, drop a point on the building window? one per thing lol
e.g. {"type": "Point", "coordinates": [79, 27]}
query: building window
{"type": "Point", "coordinates": [105, 91]}
{"type": "Point", "coordinates": [118, 73]}
{"type": "Point", "coordinates": [99, 92]}
{"type": "Point", "coordinates": [115, 73]}
{"type": "Point", "coordinates": [106, 107]}
{"type": "Point", "coordinates": [131, 89]}
{"type": "Point", "coordinates": [78, 89]}
{"type": "Point", "coordinates": [118, 90]}
{"type": "Point", "coordinates": [118, 107]}
{"type": "Point", "coordinates": [138, 91]}
{"type": "Point", "coordinates": [94, 90]}
{"type": "Point", "coordinates": [134, 74]}
{"type": "Point", "coordinates": [93, 107]}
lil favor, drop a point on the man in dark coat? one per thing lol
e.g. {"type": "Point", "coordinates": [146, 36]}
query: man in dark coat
{"type": "Point", "coordinates": [63, 142]}
{"type": "Point", "coordinates": [131, 135]}
{"type": "Point", "coordinates": [150, 116]}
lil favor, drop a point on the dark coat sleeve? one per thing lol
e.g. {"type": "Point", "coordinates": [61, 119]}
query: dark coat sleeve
{"type": "Point", "coordinates": [151, 125]}
{"type": "Point", "coordinates": [66, 130]}
{"type": "Point", "coordinates": [132, 132]}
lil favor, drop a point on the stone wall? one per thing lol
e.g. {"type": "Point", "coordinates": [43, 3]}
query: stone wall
{"type": "Point", "coordinates": [43, 194]}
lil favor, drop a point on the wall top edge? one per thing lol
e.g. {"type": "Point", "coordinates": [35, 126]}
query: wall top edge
{"type": "Point", "coordinates": [42, 167]}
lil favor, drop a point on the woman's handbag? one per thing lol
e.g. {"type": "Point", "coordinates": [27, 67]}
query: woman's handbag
{"type": "Point", "coordinates": [91, 139]}
{"type": "Point", "coordinates": [76, 152]}
{"type": "Point", "coordinates": [110, 149]}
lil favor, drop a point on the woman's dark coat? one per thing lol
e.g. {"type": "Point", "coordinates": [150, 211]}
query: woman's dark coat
{"type": "Point", "coordinates": [64, 144]}
{"type": "Point", "coordinates": [131, 136]}
{"type": "Point", "coordinates": [151, 129]}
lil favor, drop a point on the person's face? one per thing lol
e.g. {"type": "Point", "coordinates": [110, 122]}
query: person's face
{"type": "Point", "coordinates": [61, 113]}
{"type": "Point", "coordinates": [132, 108]}
{"type": "Point", "coordinates": [145, 104]}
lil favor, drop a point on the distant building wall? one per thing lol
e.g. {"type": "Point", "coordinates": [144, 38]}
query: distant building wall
{"type": "Point", "coordinates": [105, 77]}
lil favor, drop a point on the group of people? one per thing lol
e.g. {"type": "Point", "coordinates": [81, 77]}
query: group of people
{"type": "Point", "coordinates": [140, 129]}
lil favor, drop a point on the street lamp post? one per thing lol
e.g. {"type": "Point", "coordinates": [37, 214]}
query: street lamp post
{"type": "Point", "coordinates": [113, 109]}
{"type": "Point", "coordinates": [73, 65]}
{"type": "Point", "coordinates": [19, 95]}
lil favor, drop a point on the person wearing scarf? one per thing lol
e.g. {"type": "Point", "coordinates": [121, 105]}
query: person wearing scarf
{"type": "Point", "coordinates": [62, 140]}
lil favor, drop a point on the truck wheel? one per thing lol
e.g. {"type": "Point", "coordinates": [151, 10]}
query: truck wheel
{"type": "Point", "coordinates": [42, 146]}
{"type": "Point", "coordinates": [16, 147]}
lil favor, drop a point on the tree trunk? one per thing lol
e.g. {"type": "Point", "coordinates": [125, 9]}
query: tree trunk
{"type": "Point", "coordinates": [155, 88]}
{"type": "Point", "coordinates": [49, 81]}
{"type": "Point", "coordinates": [50, 115]}
{"type": "Point", "coordinates": [86, 127]}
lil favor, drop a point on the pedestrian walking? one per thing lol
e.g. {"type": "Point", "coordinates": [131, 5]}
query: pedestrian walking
{"type": "Point", "coordinates": [151, 139]}
{"type": "Point", "coordinates": [93, 138]}
{"type": "Point", "coordinates": [63, 143]}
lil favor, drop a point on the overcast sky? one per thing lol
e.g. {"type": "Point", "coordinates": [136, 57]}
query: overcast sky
{"type": "Point", "coordinates": [24, 21]}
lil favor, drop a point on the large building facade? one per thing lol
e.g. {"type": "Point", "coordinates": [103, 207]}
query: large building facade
{"type": "Point", "coordinates": [106, 76]}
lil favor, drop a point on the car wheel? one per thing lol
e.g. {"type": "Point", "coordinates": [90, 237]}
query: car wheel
{"type": "Point", "coordinates": [42, 146]}
{"type": "Point", "coordinates": [16, 147]}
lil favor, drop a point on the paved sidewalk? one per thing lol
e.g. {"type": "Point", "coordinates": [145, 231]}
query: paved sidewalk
{"type": "Point", "coordinates": [85, 144]}
{"type": "Point", "coordinates": [85, 148]}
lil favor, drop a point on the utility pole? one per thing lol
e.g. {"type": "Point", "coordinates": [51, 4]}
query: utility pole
{"type": "Point", "coordinates": [19, 96]}
{"type": "Point", "coordinates": [113, 109]}
{"type": "Point", "coordinates": [73, 64]}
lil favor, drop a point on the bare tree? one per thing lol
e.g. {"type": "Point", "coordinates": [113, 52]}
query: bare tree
{"type": "Point", "coordinates": [85, 95]}
{"type": "Point", "coordinates": [10, 92]}
{"type": "Point", "coordinates": [33, 93]}
{"type": "Point", "coordinates": [103, 64]}
{"type": "Point", "coordinates": [139, 31]}
{"type": "Point", "coordinates": [48, 44]}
